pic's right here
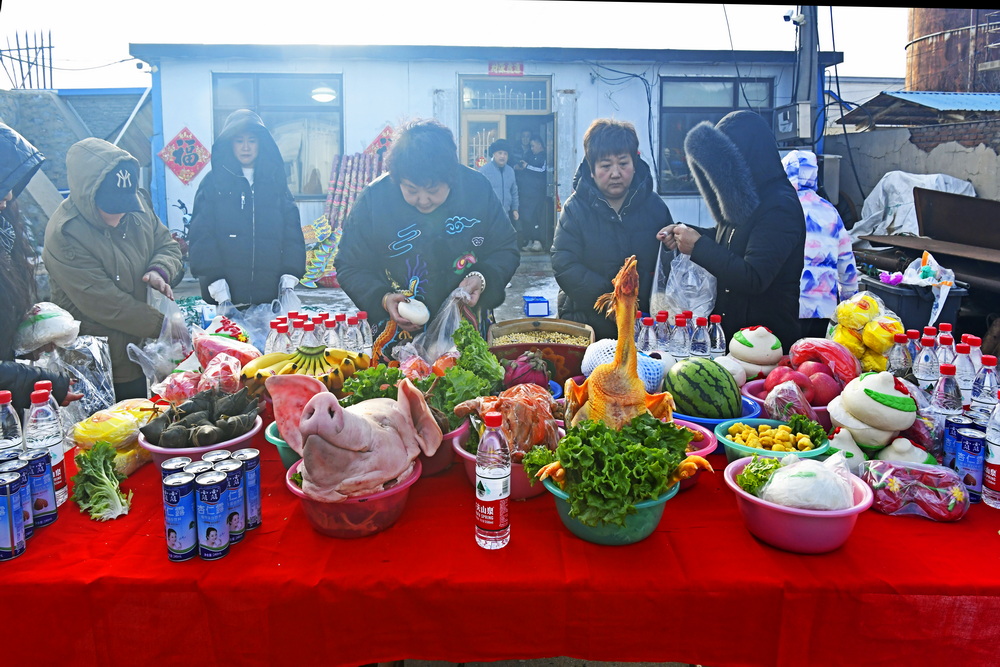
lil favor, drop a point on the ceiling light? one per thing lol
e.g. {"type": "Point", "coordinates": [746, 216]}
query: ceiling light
{"type": "Point", "coordinates": [324, 94]}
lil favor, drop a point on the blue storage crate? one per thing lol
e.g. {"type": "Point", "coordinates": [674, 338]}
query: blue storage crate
{"type": "Point", "coordinates": [536, 306]}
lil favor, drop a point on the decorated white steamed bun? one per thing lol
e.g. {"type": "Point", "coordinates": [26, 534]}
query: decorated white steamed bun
{"type": "Point", "coordinates": [881, 401]}
{"type": "Point", "coordinates": [756, 349]}
{"type": "Point", "coordinates": [843, 441]}
{"type": "Point", "coordinates": [862, 433]}
{"type": "Point", "coordinates": [903, 449]}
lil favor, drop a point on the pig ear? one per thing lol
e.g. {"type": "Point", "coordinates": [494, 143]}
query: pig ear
{"type": "Point", "coordinates": [428, 431]}
{"type": "Point", "coordinates": [290, 394]}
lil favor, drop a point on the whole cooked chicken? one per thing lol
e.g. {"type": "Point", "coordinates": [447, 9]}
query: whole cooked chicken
{"type": "Point", "coordinates": [527, 417]}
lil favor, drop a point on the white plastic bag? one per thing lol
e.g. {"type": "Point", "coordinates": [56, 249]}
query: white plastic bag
{"type": "Point", "coordinates": [436, 339]}
{"type": "Point", "coordinates": [159, 357]}
{"type": "Point", "coordinates": [687, 287]}
{"type": "Point", "coordinates": [46, 323]}
{"type": "Point", "coordinates": [810, 484]}
{"type": "Point", "coordinates": [926, 272]}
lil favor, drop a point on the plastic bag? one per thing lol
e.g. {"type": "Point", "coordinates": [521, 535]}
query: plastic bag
{"type": "Point", "coordinates": [925, 272]}
{"type": "Point", "coordinates": [916, 489]}
{"type": "Point", "coordinates": [658, 291]}
{"type": "Point", "coordinates": [811, 484]}
{"type": "Point", "coordinates": [87, 362]}
{"type": "Point", "coordinates": [923, 432]}
{"type": "Point", "coordinates": [688, 287]}
{"type": "Point", "coordinates": [436, 339]}
{"type": "Point", "coordinates": [257, 320]}
{"type": "Point", "coordinates": [287, 301]}
{"type": "Point", "coordinates": [177, 387]}
{"type": "Point", "coordinates": [221, 374]}
{"type": "Point", "coordinates": [207, 346]}
{"type": "Point", "coordinates": [411, 363]}
{"type": "Point", "coordinates": [46, 323]}
{"type": "Point", "coordinates": [845, 366]}
{"type": "Point", "coordinates": [787, 399]}
{"type": "Point", "coordinates": [158, 358]}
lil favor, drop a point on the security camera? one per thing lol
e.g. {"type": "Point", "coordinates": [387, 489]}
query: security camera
{"type": "Point", "coordinates": [797, 19]}
{"type": "Point", "coordinates": [138, 65]}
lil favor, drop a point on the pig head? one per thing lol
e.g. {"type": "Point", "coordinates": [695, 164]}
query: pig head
{"type": "Point", "coordinates": [365, 448]}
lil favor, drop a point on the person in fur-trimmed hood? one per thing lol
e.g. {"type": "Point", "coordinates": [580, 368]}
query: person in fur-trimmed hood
{"type": "Point", "coordinates": [757, 253]}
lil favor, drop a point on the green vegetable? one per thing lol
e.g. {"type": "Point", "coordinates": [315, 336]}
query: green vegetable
{"type": "Point", "coordinates": [444, 392]}
{"type": "Point", "coordinates": [477, 358]}
{"type": "Point", "coordinates": [608, 471]}
{"type": "Point", "coordinates": [756, 473]}
{"type": "Point", "coordinates": [802, 424]}
{"type": "Point", "coordinates": [96, 486]}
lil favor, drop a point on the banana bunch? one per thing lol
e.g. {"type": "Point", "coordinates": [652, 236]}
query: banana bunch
{"type": "Point", "coordinates": [328, 364]}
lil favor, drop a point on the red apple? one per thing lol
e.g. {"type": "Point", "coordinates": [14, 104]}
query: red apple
{"type": "Point", "coordinates": [826, 389]}
{"type": "Point", "coordinates": [804, 383]}
{"type": "Point", "coordinates": [809, 368]}
{"type": "Point", "coordinates": [776, 377]}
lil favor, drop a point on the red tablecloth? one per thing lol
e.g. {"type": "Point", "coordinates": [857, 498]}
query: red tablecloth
{"type": "Point", "coordinates": [699, 590]}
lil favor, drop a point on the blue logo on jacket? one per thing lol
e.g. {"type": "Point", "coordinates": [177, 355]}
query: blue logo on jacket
{"type": "Point", "coordinates": [458, 224]}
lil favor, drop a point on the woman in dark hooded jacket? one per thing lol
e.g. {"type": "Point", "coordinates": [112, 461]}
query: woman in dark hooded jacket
{"type": "Point", "coordinates": [757, 252]}
{"type": "Point", "coordinates": [245, 240]}
{"type": "Point", "coordinates": [19, 161]}
{"type": "Point", "coordinates": [612, 214]}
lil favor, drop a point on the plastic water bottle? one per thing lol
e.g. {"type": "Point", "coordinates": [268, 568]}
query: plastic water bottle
{"type": "Point", "coordinates": [679, 345]}
{"type": "Point", "coordinates": [297, 332]}
{"type": "Point", "coordinates": [913, 342]}
{"type": "Point", "coordinates": [353, 342]}
{"type": "Point", "coordinates": [701, 345]}
{"type": "Point", "coordinates": [367, 338]}
{"type": "Point", "coordinates": [662, 330]}
{"type": "Point", "coordinates": [67, 429]}
{"type": "Point", "coordinates": [332, 337]}
{"type": "Point", "coordinates": [965, 373]}
{"type": "Point", "coordinates": [946, 349]}
{"type": "Point", "coordinates": [341, 328]}
{"type": "Point", "coordinates": [689, 319]}
{"type": "Point", "coordinates": [991, 468]}
{"type": "Point", "coordinates": [282, 341]}
{"type": "Point", "coordinates": [925, 365]}
{"type": "Point", "coordinates": [42, 431]}
{"type": "Point", "coordinates": [899, 361]}
{"type": "Point", "coordinates": [932, 332]}
{"type": "Point", "coordinates": [638, 325]}
{"type": "Point", "coordinates": [492, 485]}
{"type": "Point", "coordinates": [716, 336]}
{"type": "Point", "coordinates": [10, 424]}
{"type": "Point", "coordinates": [311, 337]}
{"type": "Point", "coordinates": [946, 401]}
{"type": "Point", "coordinates": [272, 335]}
{"type": "Point", "coordinates": [945, 328]}
{"type": "Point", "coordinates": [646, 342]}
{"type": "Point", "coordinates": [985, 387]}
{"type": "Point", "coordinates": [975, 349]}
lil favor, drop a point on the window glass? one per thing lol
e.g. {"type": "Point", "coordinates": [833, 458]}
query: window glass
{"type": "Point", "coordinates": [282, 91]}
{"type": "Point", "coordinates": [234, 92]}
{"type": "Point", "coordinates": [309, 142]}
{"type": "Point", "coordinates": [717, 93]}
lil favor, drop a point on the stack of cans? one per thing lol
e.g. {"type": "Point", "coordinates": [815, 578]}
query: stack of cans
{"type": "Point", "coordinates": [27, 497]}
{"type": "Point", "coordinates": [965, 451]}
{"type": "Point", "coordinates": [208, 505]}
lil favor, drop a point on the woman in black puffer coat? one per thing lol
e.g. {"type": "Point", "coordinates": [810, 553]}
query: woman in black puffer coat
{"type": "Point", "coordinates": [246, 238]}
{"type": "Point", "coordinates": [757, 252]}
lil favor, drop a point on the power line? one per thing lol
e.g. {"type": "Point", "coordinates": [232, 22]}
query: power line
{"type": "Point", "coordinates": [4, 54]}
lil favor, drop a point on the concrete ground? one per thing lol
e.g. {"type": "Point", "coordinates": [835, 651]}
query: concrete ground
{"type": "Point", "coordinates": [533, 278]}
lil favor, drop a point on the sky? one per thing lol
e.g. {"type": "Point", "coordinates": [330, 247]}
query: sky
{"type": "Point", "coordinates": [87, 37]}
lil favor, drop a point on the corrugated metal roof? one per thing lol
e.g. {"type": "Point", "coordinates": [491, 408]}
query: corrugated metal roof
{"type": "Point", "coordinates": [951, 101]}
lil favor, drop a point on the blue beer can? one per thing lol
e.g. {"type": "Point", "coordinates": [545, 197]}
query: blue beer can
{"type": "Point", "coordinates": [211, 510]}
{"type": "Point", "coordinates": [10, 453]}
{"type": "Point", "coordinates": [251, 484]}
{"type": "Point", "coordinates": [21, 468]}
{"type": "Point", "coordinates": [174, 465]}
{"type": "Point", "coordinates": [198, 467]}
{"type": "Point", "coordinates": [235, 500]}
{"type": "Point", "coordinates": [179, 516]}
{"type": "Point", "coordinates": [11, 518]}
{"type": "Point", "coordinates": [216, 455]}
{"type": "Point", "coordinates": [969, 461]}
{"type": "Point", "coordinates": [43, 488]}
{"type": "Point", "coordinates": [950, 444]}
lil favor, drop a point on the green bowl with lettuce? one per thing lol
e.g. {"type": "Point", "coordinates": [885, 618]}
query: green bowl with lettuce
{"type": "Point", "coordinates": [616, 482]}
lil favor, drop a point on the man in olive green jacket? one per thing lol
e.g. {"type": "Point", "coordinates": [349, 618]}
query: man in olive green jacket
{"type": "Point", "coordinates": [103, 247]}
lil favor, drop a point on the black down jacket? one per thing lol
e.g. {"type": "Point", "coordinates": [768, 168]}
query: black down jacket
{"type": "Point", "coordinates": [592, 242]}
{"type": "Point", "coordinates": [249, 235]}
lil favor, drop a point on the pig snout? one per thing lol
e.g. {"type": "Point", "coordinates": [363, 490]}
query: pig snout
{"type": "Point", "coordinates": [323, 417]}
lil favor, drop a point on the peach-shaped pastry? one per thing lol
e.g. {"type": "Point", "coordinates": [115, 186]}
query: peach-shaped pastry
{"type": "Point", "coordinates": [756, 349]}
{"type": "Point", "coordinates": [903, 449]}
{"type": "Point", "coordinates": [862, 433]}
{"type": "Point", "coordinates": [881, 401]}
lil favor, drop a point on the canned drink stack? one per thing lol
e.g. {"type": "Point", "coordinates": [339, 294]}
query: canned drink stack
{"type": "Point", "coordinates": [179, 517]}
{"type": "Point", "coordinates": [12, 542]}
{"type": "Point", "coordinates": [251, 483]}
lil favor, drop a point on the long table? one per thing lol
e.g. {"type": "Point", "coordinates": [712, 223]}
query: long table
{"type": "Point", "coordinates": [700, 590]}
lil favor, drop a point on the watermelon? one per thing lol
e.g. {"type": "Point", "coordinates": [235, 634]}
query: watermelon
{"type": "Point", "coordinates": [703, 388]}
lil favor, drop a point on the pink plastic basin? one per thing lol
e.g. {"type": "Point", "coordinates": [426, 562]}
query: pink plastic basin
{"type": "Point", "coordinates": [354, 517]}
{"type": "Point", "coordinates": [161, 454]}
{"type": "Point", "coordinates": [793, 529]}
{"type": "Point", "coordinates": [707, 447]}
{"type": "Point", "coordinates": [520, 486]}
{"type": "Point", "coordinates": [754, 390]}
{"type": "Point", "coordinates": [445, 455]}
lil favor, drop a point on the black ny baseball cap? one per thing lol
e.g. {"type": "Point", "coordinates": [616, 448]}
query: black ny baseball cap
{"type": "Point", "coordinates": [118, 193]}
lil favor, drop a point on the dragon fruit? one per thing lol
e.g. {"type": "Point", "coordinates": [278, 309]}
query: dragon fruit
{"type": "Point", "coordinates": [530, 367]}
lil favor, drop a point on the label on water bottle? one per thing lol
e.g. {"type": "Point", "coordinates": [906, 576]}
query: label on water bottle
{"type": "Point", "coordinates": [492, 494]}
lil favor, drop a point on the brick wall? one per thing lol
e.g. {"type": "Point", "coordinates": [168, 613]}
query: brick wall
{"type": "Point", "coordinates": [970, 135]}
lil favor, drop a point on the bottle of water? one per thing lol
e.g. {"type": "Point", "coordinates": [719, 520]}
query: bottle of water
{"type": "Point", "coordinates": [646, 342]}
{"type": "Point", "coordinates": [492, 485]}
{"type": "Point", "coordinates": [925, 365]}
{"type": "Point", "coordinates": [716, 336]}
{"type": "Point", "coordinates": [913, 342]}
{"type": "Point", "coordinates": [662, 330]}
{"type": "Point", "coordinates": [282, 341]}
{"type": "Point", "coordinates": [10, 424]}
{"type": "Point", "coordinates": [946, 349]}
{"type": "Point", "coordinates": [899, 361]}
{"type": "Point", "coordinates": [354, 342]}
{"type": "Point", "coordinates": [946, 401]}
{"type": "Point", "coordinates": [272, 336]}
{"type": "Point", "coordinates": [42, 431]}
{"type": "Point", "coordinates": [679, 346]}
{"type": "Point", "coordinates": [311, 337]}
{"type": "Point", "coordinates": [975, 351]}
{"type": "Point", "coordinates": [991, 468]}
{"type": "Point", "coordinates": [367, 338]}
{"type": "Point", "coordinates": [932, 332]}
{"type": "Point", "coordinates": [945, 328]}
{"type": "Point", "coordinates": [67, 429]}
{"type": "Point", "coordinates": [689, 320]}
{"type": "Point", "coordinates": [984, 387]}
{"type": "Point", "coordinates": [341, 329]}
{"type": "Point", "coordinates": [297, 332]}
{"type": "Point", "coordinates": [965, 373]}
{"type": "Point", "coordinates": [638, 325]}
{"type": "Point", "coordinates": [701, 344]}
